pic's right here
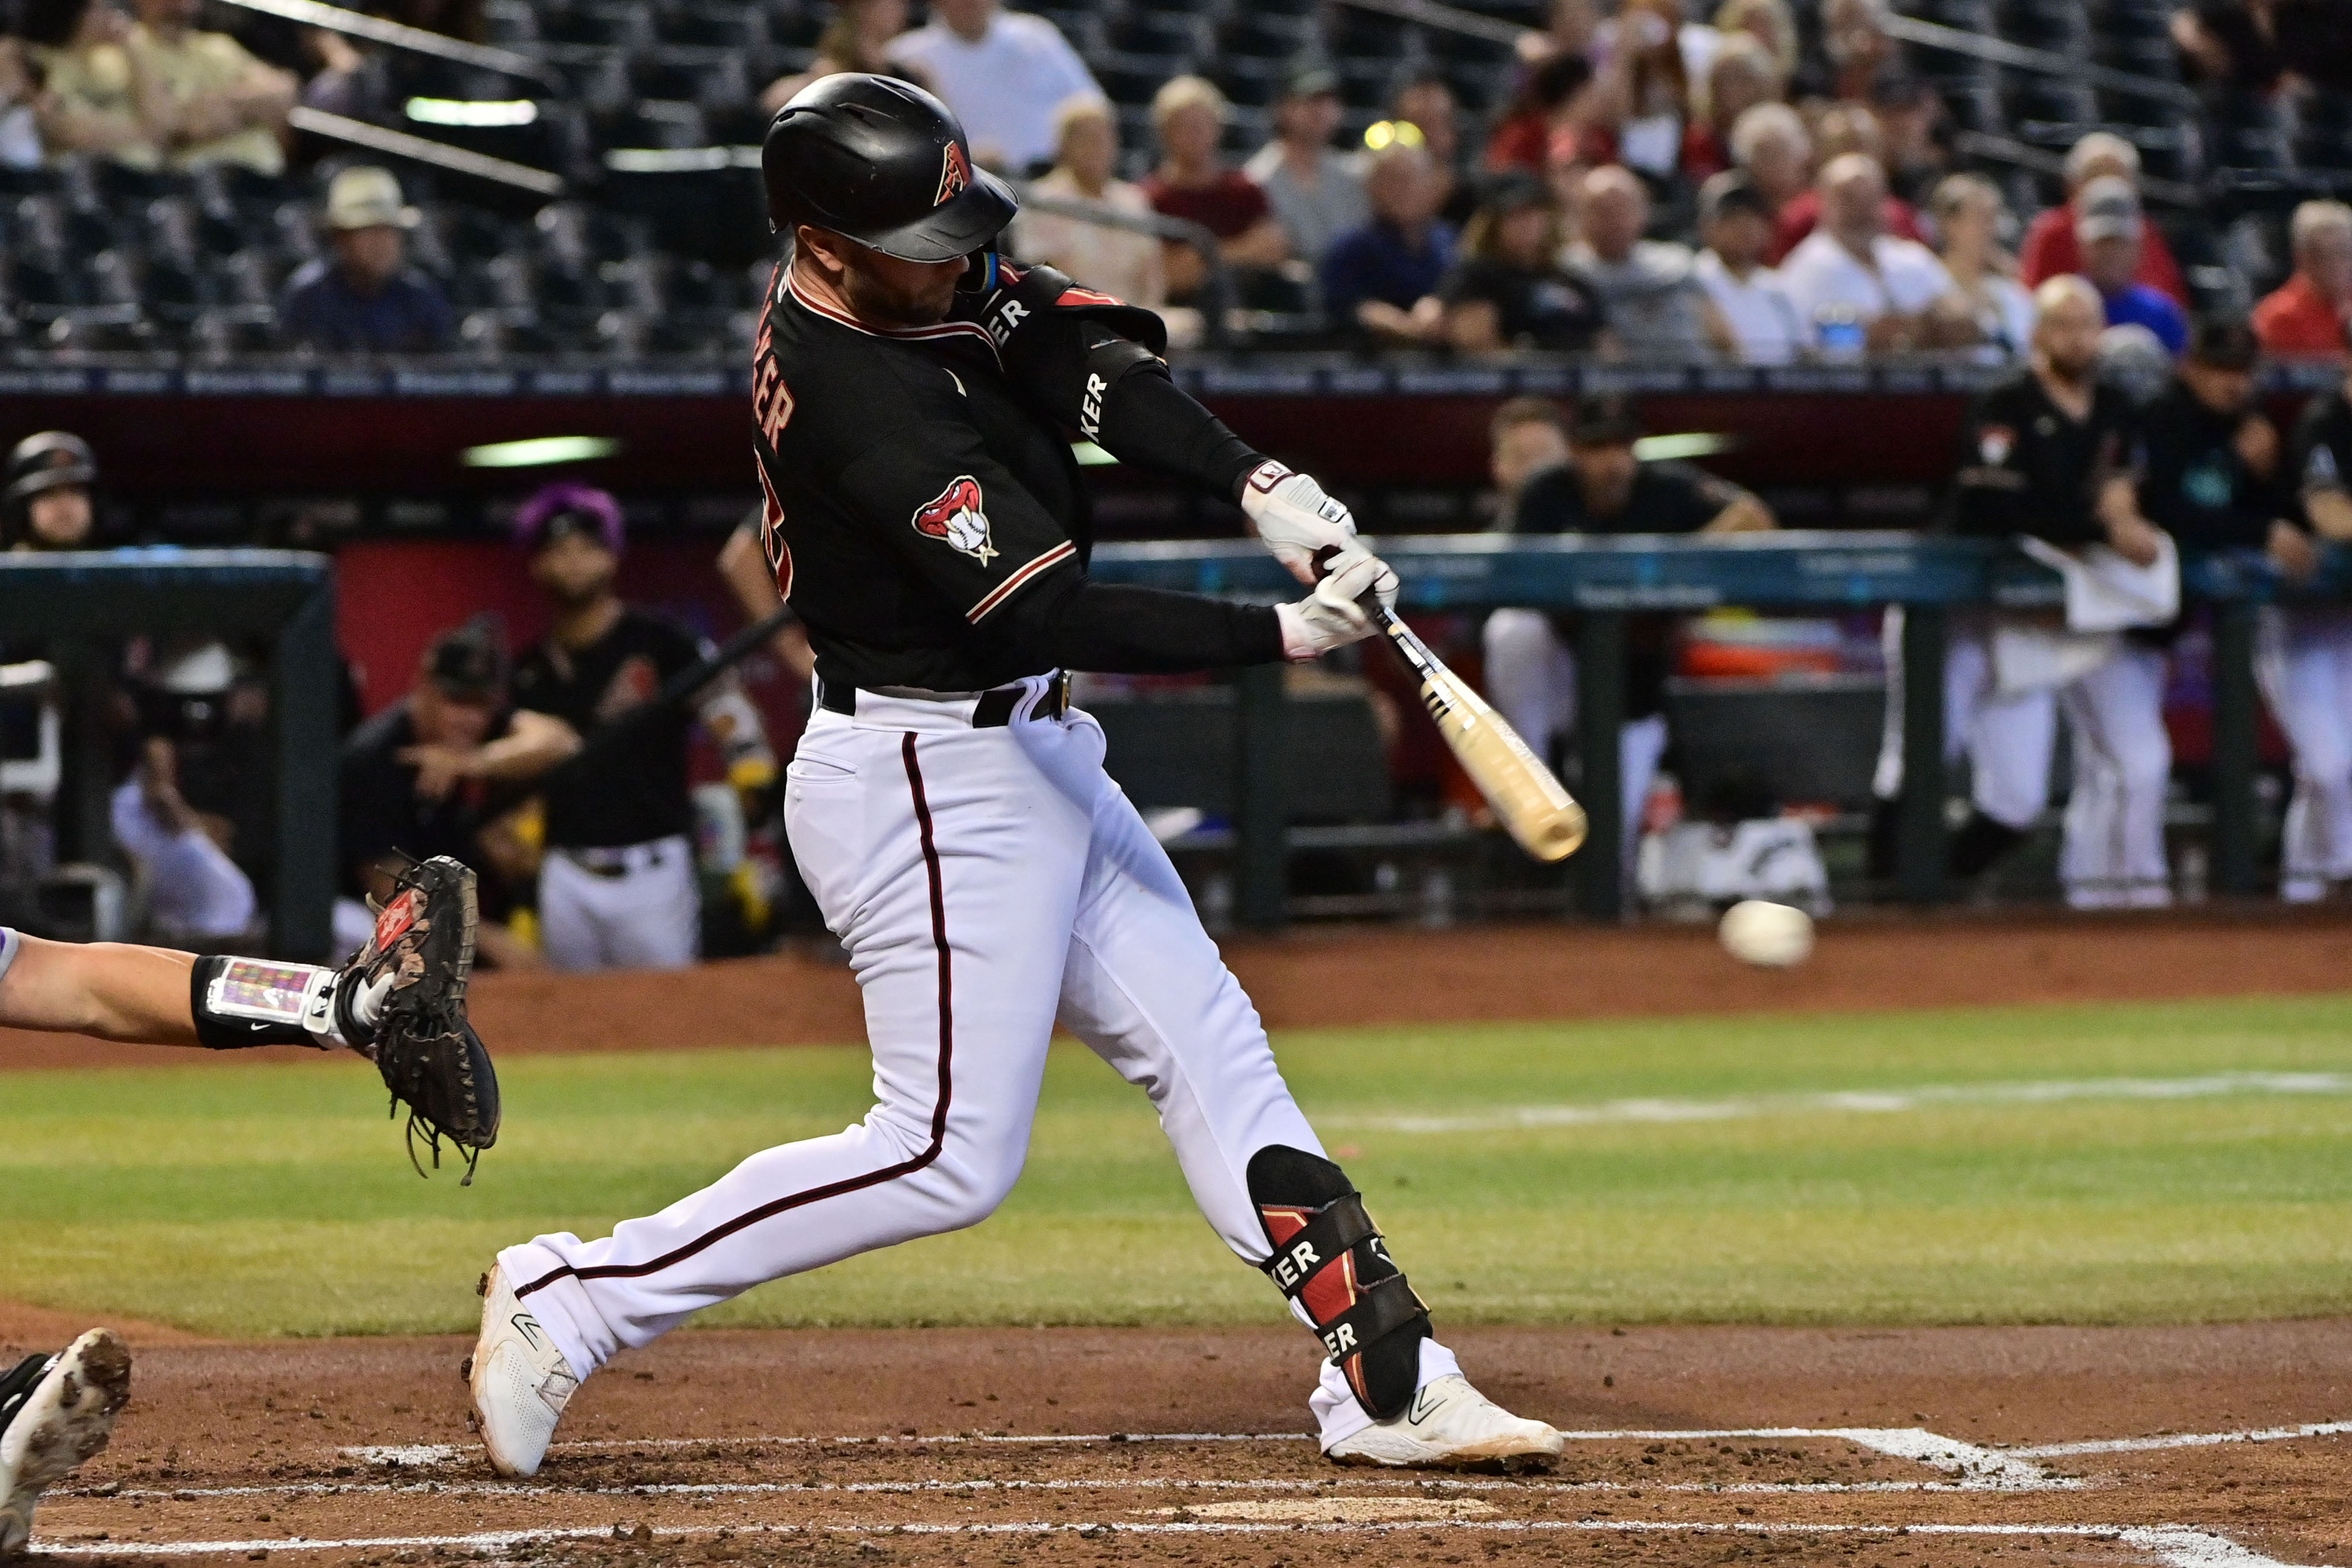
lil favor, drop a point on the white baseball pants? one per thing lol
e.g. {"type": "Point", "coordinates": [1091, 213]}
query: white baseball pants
{"type": "Point", "coordinates": [985, 881]}
{"type": "Point", "coordinates": [2009, 740]}
{"type": "Point", "coordinates": [635, 907]}
{"type": "Point", "coordinates": [2113, 858]}
{"type": "Point", "coordinates": [2304, 657]}
{"type": "Point", "coordinates": [1532, 681]}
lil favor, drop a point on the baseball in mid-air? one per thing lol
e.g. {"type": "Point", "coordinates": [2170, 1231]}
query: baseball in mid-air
{"type": "Point", "coordinates": [1766, 935]}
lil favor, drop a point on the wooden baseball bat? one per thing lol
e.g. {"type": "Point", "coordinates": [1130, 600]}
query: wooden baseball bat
{"type": "Point", "coordinates": [1528, 800]}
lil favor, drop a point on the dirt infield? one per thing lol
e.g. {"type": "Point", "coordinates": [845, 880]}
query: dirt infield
{"type": "Point", "coordinates": [1336, 976]}
{"type": "Point", "coordinates": [1020, 1445]}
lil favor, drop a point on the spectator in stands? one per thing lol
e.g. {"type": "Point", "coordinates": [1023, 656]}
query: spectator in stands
{"type": "Point", "coordinates": [1509, 290]}
{"type": "Point", "coordinates": [425, 776]}
{"type": "Point", "coordinates": [1842, 128]}
{"type": "Point", "coordinates": [1383, 278]}
{"type": "Point", "coordinates": [1558, 100]}
{"type": "Point", "coordinates": [1604, 489]}
{"type": "Point", "coordinates": [1656, 307]}
{"type": "Point", "coordinates": [1571, 27]}
{"type": "Point", "coordinates": [2050, 250]}
{"type": "Point", "coordinates": [1743, 76]}
{"type": "Point", "coordinates": [856, 39]}
{"type": "Point", "coordinates": [1857, 286]}
{"type": "Point", "coordinates": [1736, 222]}
{"type": "Point", "coordinates": [2308, 314]}
{"type": "Point", "coordinates": [1315, 190]}
{"type": "Point", "coordinates": [365, 298]}
{"type": "Point", "coordinates": [1912, 129]}
{"type": "Point", "coordinates": [1193, 183]}
{"type": "Point", "coordinates": [227, 107]}
{"type": "Point", "coordinates": [1986, 307]}
{"type": "Point", "coordinates": [1116, 261]}
{"type": "Point", "coordinates": [1770, 23]}
{"type": "Point", "coordinates": [1647, 80]}
{"type": "Point", "coordinates": [1426, 103]}
{"type": "Point", "coordinates": [2251, 46]}
{"type": "Point", "coordinates": [2109, 230]}
{"type": "Point", "coordinates": [20, 125]}
{"type": "Point", "coordinates": [94, 96]}
{"type": "Point", "coordinates": [1004, 73]}
{"type": "Point", "coordinates": [1855, 40]}
{"type": "Point", "coordinates": [1771, 146]}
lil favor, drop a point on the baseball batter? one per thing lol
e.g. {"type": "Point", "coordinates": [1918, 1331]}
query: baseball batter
{"type": "Point", "coordinates": [914, 403]}
{"type": "Point", "coordinates": [401, 1002]}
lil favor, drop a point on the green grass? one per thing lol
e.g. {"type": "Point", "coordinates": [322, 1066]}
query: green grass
{"type": "Point", "coordinates": [271, 1200]}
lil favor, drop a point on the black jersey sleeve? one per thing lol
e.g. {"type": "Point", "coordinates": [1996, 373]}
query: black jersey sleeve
{"type": "Point", "coordinates": [2202, 496]}
{"type": "Point", "coordinates": [1072, 621]}
{"type": "Point", "coordinates": [1092, 364]}
{"type": "Point", "coordinates": [2320, 459]}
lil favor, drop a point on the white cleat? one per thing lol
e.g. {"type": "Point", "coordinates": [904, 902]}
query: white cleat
{"type": "Point", "coordinates": [520, 1382]}
{"type": "Point", "coordinates": [1450, 1425]}
{"type": "Point", "coordinates": [55, 1415]}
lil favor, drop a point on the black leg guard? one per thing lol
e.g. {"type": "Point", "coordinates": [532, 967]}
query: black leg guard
{"type": "Point", "coordinates": [1978, 845]}
{"type": "Point", "coordinates": [1330, 1259]}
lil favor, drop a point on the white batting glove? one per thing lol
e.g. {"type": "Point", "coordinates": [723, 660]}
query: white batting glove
{"type": "Point", "coordinates": [1290, 512]}
{"type": "Point", "coordinates": [1331, 617]}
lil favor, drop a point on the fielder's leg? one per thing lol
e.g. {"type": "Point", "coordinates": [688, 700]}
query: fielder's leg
{"type": "Point", "coordinates": [2113, 852]}
{"type": "Point", "coordinates": [948, 860]}
{"type": "Point", "coordinates": [1146, 989]}
{"type": "Point", "coordinates": [56, 1413]}
{"type": "Point", "coordinates": [2304, 661]}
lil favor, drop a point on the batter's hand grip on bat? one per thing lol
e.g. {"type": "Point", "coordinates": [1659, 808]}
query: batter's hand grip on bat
{"type": "Point", "coordinates": [1527, 798]}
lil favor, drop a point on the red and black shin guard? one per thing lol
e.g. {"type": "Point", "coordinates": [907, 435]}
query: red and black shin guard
{"type": "Point", "coordinates": [1330, 1260]}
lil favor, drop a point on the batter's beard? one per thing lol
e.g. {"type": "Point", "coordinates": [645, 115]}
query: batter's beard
{"type": "Point", "coordinates": [870, 300]}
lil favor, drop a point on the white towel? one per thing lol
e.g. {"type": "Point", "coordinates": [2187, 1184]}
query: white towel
{"type": "Point", "coordinates": [2105, 593]}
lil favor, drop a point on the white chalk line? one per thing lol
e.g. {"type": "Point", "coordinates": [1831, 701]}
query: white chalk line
{"type": "Point", "coordinates": [1869, 1101]}
{"type": "Point", "coordinates": [2177, 1546]}
{"type": "Point", "coordinates": [2179, 1440]}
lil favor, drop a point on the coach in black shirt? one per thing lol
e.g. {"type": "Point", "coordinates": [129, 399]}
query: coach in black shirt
{"type": "Point", "coordinates": [2209, 462]}
{"type": "Point", "coordinates": [1605, 489]}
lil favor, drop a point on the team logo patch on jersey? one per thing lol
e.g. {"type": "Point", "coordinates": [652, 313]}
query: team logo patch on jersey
{"type": "Point", "coordinates": [959, 516]}
{"type": "Point", "coordinates": [1994, 443]}
{"type": "Point", "coordinates": [955, 174]}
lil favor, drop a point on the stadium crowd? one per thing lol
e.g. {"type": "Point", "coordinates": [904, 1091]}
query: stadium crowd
{"type": "Point", "coordinates": [1758, 184]}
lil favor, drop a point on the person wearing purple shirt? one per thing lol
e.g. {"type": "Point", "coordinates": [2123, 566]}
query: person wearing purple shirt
{"type": "Point", "coordinates": [365, 298]}
{"type": "Point", "coordinates": [1383, 277]}
{"type": "Point", "coordinates": [2108, 230]}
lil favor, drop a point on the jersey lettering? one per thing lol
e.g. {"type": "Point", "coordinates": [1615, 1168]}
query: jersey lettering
{"type": "Point", "coordinates": [1001, 324]}
{"type": "Point", "coordinates": [958, 516]}
{"type": "Point", "coordinates": [1090, 406]}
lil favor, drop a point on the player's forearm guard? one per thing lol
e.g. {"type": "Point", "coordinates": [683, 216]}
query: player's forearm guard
{"type": "Point", "coordinates": [1328, 1259]}
{"type": "Point", "coordinates": [242, 1002]}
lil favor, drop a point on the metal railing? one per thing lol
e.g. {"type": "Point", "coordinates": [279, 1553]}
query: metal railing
{"type": "Point", "coordinates": [439, 154]}
{"type": "Point", "coordinates": [376, 30]}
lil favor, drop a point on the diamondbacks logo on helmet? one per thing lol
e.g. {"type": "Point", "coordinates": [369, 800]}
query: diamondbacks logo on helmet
{"type": "Point", "coordinates": [959, 516]}
{"type": "Point", "coordinates": [955, 174]}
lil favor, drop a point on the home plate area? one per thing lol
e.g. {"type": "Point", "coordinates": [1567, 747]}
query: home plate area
{"type": "Point", "coordinates": [263, 1473]}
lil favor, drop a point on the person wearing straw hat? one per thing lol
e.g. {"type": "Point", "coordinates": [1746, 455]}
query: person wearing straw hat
{"type": "Point", "coordinates": [365, 298]}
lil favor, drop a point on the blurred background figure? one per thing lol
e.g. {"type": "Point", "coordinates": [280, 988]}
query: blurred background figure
{"type": "Point", "coordinates": [1004, 73]}
{"type": "Point", "coordinates": [1316, 192]}
{"type": "Point", "coordinates": [1736, 222]}
{"type": "Point", "coordinates": [1193, 183]}
{"type": "Point", "coordinates": [1558, 102]}
{"type": "Point", "coordinates": [1770, 145]}
{"type": "Point", "coordinates": [365, 297]}
{"type": "Point", "coordinates": [2051, 248]}
{"type": "Point", "coordinates": [2304, 659]}
{"type": "Point", "coordinates": [2308, 315]}
{"type": "Point", "coordinates": [95, 95]}
{"type": "Point", "coordinates": [1118, 262]}
{"type": "Point", "coordinates": [1857, 286]}
{"type": "Point", "coordinates": [2111, 234]}
{"type": "Point", "coordinates": [1744, 75]}
{"type": "Point", "coordinates": [1383, 277]}
{"type": "Point", "coordinates": [1844, 129]}
{"type": "Point", "coordinates": [47, 505]}
{"type": "Point", "coordinates": [1986, 306]}
{"type": "Point", "coordinates": [1509, 289]}
{"type": "Point", "coordinates": [1771, 24]}
{"type": "Point", "coordinates": [223, 105]}
{"type": "Point", "coordinates": [1425, 101]}
{"type": "Point", "coordinates": [1655, 305]}
{"type": "Point", "coordinates": [856, 39]}
{"type": "Point", "coordinates": [201, 768]}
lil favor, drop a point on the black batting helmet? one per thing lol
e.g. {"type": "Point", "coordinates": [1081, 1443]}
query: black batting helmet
{"type": "Point", "coordinates": [50, 460]}
{"type": "Point", "coordinates": [884, 162]}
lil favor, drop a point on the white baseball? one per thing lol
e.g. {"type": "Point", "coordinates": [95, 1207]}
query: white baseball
{"type": "Point", "coordinates": [1766, 935]}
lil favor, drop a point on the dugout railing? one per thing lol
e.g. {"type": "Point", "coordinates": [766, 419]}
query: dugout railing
{"type": "Point", "coordinates": [80, 607]}
{"type": "Point", "coordinates": [1606, 579]}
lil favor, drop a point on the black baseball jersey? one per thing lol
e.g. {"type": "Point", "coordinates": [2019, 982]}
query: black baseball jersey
{"type": "Point", "coordinates": [2027, 465]}
{"type": "Point", "coordinates": [2193, 482]}
{"type": "Point", "coordinates": [924, 512]}
{"type": "Point", "coordinates": [639, 792]}
{"type": "Point", "coordinates": [380, 811]}
{"type": "Point", "coordinates": [1665, 498]}
{"type": "Point", "coordinates": [2320, 456]}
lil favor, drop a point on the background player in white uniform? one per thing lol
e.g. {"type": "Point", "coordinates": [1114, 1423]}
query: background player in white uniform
{"type": "Point", "coordinates": [401, 1002]}
{"type": "Point", "coordinates": [2306, 665]}
{"type": "Point", "coordinates": [950, 811]}
{"type": "Point", "coordinates": [2048, 452]}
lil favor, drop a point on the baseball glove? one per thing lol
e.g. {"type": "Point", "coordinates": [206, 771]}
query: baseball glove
{"type": "Point", "coordinates": [417, 961]}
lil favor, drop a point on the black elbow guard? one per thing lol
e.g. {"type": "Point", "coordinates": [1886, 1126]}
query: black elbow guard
{"type": "Point", "coordinates": [1330, 1260]}
{"type": "Point", "coordinates": [1109, 357]}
